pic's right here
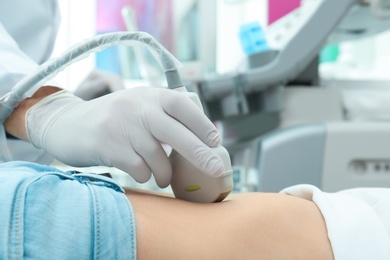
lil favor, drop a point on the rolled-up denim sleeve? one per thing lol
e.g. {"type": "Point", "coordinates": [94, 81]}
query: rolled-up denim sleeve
{"type": "Point", "coordinates": [49, 214]}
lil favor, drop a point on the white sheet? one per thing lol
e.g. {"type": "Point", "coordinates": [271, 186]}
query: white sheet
{"type": "Point", "coordinates": [358, 220]}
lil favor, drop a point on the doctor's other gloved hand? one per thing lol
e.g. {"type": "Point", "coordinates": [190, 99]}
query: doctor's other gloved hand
{"type": "Point", "coordinates": [125, 130]}
{"type": "Point", "coordinates": [97, 84]}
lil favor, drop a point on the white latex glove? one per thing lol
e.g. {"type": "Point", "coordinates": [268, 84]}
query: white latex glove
{"type": "Point", "coordinates": [97, 84]}
{"type": "Point", "coordinates": [124, 130]}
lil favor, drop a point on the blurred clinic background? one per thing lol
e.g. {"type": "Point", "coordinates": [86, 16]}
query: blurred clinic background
{"type": "Point", "coordinates": [205, 35]}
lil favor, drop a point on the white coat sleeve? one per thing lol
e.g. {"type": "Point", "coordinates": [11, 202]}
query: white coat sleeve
{"type": "Point", "coordinates": [14, 65]}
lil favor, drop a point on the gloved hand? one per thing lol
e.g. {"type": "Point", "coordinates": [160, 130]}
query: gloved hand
{"type": "Point", "coordinates": [97, 84]}
{"type": "Point", "coordinates": [125, 130]}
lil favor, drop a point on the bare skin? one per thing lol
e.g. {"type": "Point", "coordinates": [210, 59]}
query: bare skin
{"type": "Point", "coordinates": [245, 226]}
